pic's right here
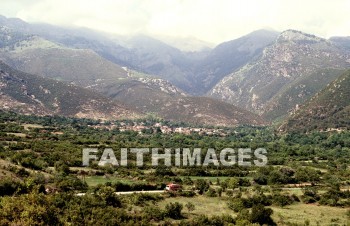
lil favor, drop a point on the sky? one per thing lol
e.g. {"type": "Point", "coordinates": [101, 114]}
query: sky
{"type": "Point", "coordinates": [213, 21]}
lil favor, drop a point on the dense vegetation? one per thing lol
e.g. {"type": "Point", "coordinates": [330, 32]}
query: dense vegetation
{"type": "Point", "coordinates": [329, 109]}
{"type": "Point", "coordinates": [42, 178]}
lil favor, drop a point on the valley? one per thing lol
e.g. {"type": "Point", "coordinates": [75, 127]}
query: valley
{"type": "Point", "coordinates": [98, 128]}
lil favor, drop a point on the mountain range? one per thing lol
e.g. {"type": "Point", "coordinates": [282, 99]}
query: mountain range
{"type": "Point", "coordinates": [268, 73]}
{"type": "Point", "coordinates": [31, 94]}
{"type": "Point", "coordinates": [287, 73]}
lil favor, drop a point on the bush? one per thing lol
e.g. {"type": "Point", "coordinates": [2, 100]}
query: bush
{"type": "Point", "coordinates": [173, 210]}
{"type": "Point", "coordinates": [107, 194]}
{"type": "Point", "coordinates": [69, 183]}
{"type": "Point", "coordinates": [202, 186]}
{"type": "Point", "coordinates": [282, 200]}
{"type": "Point", "coordinates": [310, 195]}
{"type": "Point", "coordinates": [211, 192]}
{"type": "Point", "coordinates": [153, 213]}
{"type": "Point", "coordinates": [186, 193]}
{"type": "Point", "coordinates": [187, 181]}
{"type": "Point", "coordinates": [235, 205]}
{"type": "Point", "coordinates": [261, 215]}
{"type": "Point", "coordinates": [140, 199]}
{"type": "Point", "coordinates": [10, 187]}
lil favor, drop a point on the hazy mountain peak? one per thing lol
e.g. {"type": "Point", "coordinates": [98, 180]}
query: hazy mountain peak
{"type": "Point", "coordinates": [294, 35]}
{"type": "Point", "coordinates": [263, 32]}
{"type": "Point", "coordinates": [187, 44]}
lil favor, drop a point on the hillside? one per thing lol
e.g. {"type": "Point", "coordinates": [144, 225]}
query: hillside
{"type": "Point", "coordinates": [174, 105]}
{"type": "Point", "coordinates": [261, 85]}
{"type": "Point", "coordinates": [193, 72]}
{"type": "Point", "coordinates": [343, 42]}
{"type": "Point", "coordinates": [140, 91]}
{"type": "Point", "coordinates": [329, 109]}
{"type": "Point", "coordinates": [291, 96]}
{"type": "Point", "coordinates": [31, 94]}
{"type": "Point", "coordinates": [36, 55]}
{"type": "Point", "coordinates": [229, 56]}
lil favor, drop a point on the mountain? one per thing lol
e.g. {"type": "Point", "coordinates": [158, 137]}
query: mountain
{"type": "Point", "coordinates": [31, 94]}
{"type": "Point", "coordinates": [182, 108]}
{"type": "Point", "coordinates": [328, 109]}
{"type": "Point", "coordinates": [186, 44]}
{"type": "Point", "coordinates": [39, 56]}
{"type": "Point", "coordinates": [193, 72]}
{"type": "Point", "coordinates": [228, 57]}
{"type": "Point", "coordinates": [265, 72]}
{"type": "Point", "coordinates": [342, 42]}
{"type": "Point", "coordinates": [157, 58]}
{"type": "Point", "coordinates": [267, 85]}
{"type": "Point", "coordinates": [140, 91]}
{"type": "Point", "coordinates": [291, 96]}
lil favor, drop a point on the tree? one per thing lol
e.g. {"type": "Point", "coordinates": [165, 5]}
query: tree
{"type": "Point", "coordinates": [173, 210]}
{"type": "Point", "coordinates": [107, 194]}
{"type": "Point", "coordinates": [202, 186]}
{"type": "Point", "coordinates": [261, 215]}
{"type": "Point", "coordinates": [232, 183]}
{"type": "Point", "coordinates": [62, 167]}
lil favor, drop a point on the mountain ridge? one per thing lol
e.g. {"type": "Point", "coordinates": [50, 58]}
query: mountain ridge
{"type": "Point", "coordinates": [329, 109]}
{"type": "Point", "coordinates": [30, 94]}
{"type": "Point", "coordinates": [293, 55]}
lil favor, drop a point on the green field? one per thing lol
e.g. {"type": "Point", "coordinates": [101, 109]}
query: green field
{"type": "Point", "coordinates": [95, 180]}
{"type": "Point", "coordinates": [296, 213]}
{"type": "Point", "coordinates": [317, 215]}
{"type": "Point", "coordinates": [211, 179]}
{"type": "Point", "coordinates": [209, 206]}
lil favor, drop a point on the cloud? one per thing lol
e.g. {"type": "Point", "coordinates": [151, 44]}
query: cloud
{"type": "Point", "coordinates": [209, 20]}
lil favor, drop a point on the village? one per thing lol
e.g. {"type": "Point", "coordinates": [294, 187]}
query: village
{"type": "Point", "coordinates": [159, 127]}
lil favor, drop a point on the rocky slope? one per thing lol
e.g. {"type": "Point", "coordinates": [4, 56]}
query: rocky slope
{"type": "Point", "coordinates": [260, 85]}
{"type": "Point", "coordinates": [31, 94]}
{"type": "Point", "coordinates": [141, 91]}
{"type": "Point", "coordinates": [181, 108]}
{"type": "Point", "coordinates": [193, 72]}
{"type": "Point", "coordinates": [328, 110]}
{"type": "Point", "coordinates": [228, 57]}
{"type": "Point", "coordinates": [36, 55]}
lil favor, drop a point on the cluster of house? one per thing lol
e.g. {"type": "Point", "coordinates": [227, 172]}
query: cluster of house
{"type": "Point", "coordinates": [159, 127]}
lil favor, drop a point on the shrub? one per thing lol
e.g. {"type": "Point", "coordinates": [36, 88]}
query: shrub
{"type": "Point", "coordinates": [153, 213]}
{"type": "Point", "coordinates": [261, 215]}
{"type": "Point", "coordinates": [173, 210]}
{"type": "Point", "coordinates": [10, 187]}
{"type": "Point", "coordinates": [202, 186]}
{"type": "Point", "coordinates": [236, 205]}
{"type": "Point", "coordinates": [211, 192]}
{"type": "Point", "coordinates": [186, 193]}
{"type": "Point", "coordinates": [282, 200]}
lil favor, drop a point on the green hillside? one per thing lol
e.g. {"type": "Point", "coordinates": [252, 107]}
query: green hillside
{"type": "Point", "coordinates": [31, 94]}
{"type": "Point", "coordinates": [301, 90]}
{"type": "Point", "coordinates": [329, 109]}
{"type": "Point", "coordinates": [38, 56]}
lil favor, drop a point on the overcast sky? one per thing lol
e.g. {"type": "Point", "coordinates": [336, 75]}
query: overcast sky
{"type": "Point", "coordinates": [209, 20]}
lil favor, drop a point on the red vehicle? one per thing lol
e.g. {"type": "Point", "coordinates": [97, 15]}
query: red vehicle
{"type": "Point", "coordinates": [173, 187]}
